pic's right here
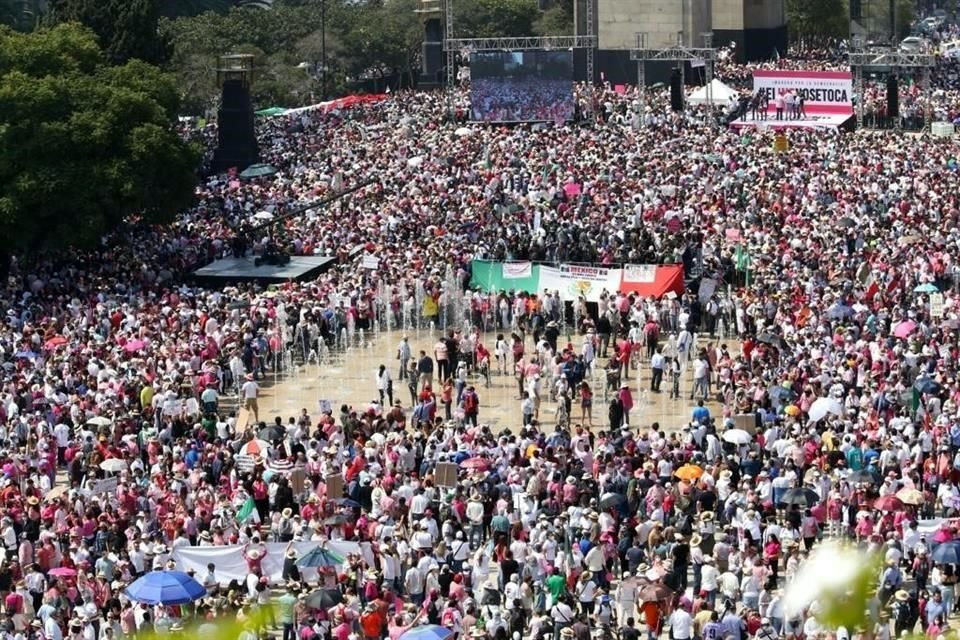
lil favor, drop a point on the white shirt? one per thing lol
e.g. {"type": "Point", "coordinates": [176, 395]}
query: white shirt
{"type": "Point", "coordinates": [708, 577]}
{"type": "Point", "coordinates": [249, 389]}
{"type": "Point", "coordinates": [52, 630]}
{"type": "Point", "coordinates": [700, 368]}
{"type": "Point", "coordinates": [681, 625]}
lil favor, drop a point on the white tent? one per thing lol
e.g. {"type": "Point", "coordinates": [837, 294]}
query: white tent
{"type": "Point", "coordinates": [721, 94]}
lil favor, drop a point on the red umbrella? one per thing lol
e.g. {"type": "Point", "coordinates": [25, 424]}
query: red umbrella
{"type": "Point", "coordinates": [54, 342]}
{"type": "Point", "coordinates": [889, 503]}
{"type": "Point", "coordinates": [475, 464]}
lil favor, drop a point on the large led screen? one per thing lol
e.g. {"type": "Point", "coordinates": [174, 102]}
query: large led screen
{"type": "Point", "coordinates": [521, 86]}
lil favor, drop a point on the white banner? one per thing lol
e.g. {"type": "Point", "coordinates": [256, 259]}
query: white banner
{"type": "Point", "coordinates": [824, 92]}
{"type": "Point", "coordinates": [517, 270]}
{"type": "Point", "coordinates": [230, 565]}
{"type": "Point", "coordinates": [936, 305]}
{"type": "Point", "coordinates": [370, 262]}
{"type": "Point", "coordinates": [573, 281]}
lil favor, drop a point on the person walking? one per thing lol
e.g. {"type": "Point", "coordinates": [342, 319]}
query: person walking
{"type": "Point", "coordinates": [586, 403]}
{"type": "Point", "coordinates": [656, 368]}
{"type": "Point", "coordinates": [249, 391]}
{"type": "Point", "coordinates": [701, 371]}
{"type": "Point", "coordinates": [626, 402]}
{"type": "Point", "coordinates": [385, 385]}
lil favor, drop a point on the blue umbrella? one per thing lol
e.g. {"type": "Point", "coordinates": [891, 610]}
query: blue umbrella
{"type": "Point", "coordinates": [926, 287]}
{"type": "Point", "coordinates": [427, 632]}
{"type": "Point", "coordinates": [839, 311]}
{"type": "Point", "coordinates": [947, 553]}
{"type": "Point", "coordinates": [927, 385]}
{"type": "Point", "coordinates": [320, 557]}
{"type": "Point", "coordinates": [166, 588]}
{"type": "Point", "coordinates": [347, 502]}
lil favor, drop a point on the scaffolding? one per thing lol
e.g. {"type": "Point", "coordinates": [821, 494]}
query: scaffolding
{"type": "Point", "coordinates": [892, 61]}
{"type": "Point", "coordinates": [466, 46]}
{"type": "Point", "coordinates": [642, 54]}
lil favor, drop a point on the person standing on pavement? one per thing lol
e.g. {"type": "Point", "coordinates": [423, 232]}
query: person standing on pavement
{"type": "Point", "coordinates": [657, 362]}
{"type": "Point", "coordinates": [404, 353]}
{"type": "Point", "coordinates": [626, 597]}
{"type": "Point", "coordinates": [249, 391]}
{"type": "Point", "coordinates": [441, 354]}
{"type": "Point", "coordinates": [425, 371]}
{"type": "Point", "coordinates": [385, 385]}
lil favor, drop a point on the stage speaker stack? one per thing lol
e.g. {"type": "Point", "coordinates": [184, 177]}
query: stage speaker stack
{"type": "Point", "coordinates": [676, 91]}
{"type": "Point", "coordinates": [893, 97]}
{"type": "Point", "coordinates": [236, 137]}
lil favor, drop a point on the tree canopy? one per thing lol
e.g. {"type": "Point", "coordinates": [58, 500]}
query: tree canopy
{"type": "Point", "coordinates": [83, 144]}
{"type": "Point", "coordinates": [363, 40]}
{"type": "Point", "coordinates": [818, 19]}
{"type": "Point", "coordinates": [127, 29]}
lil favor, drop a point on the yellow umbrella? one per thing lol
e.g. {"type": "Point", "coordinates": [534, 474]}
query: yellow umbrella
{"type": "Point", "coordinates": [792, 410]}
{"type": "Point", "coordinates": [688, 472]}
{"type": "Point", "coordinates": [909, 495]}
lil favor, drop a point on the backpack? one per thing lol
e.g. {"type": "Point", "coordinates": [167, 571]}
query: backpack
{"type": "Point", "coordinates": [469, 402]}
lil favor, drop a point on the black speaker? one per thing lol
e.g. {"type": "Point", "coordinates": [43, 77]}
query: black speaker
{"type": "Point", "coordinates": [893, 97]}
{"type": "Point", "coordinates": [236, 138]}
{"type": "Point", "coordinates": [676, 91]}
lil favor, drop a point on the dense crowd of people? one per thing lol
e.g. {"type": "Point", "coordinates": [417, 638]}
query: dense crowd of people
{"type": "Point", "coordinates": [828, 409]}
{"type": "Point", "coordinates": [521, 100]}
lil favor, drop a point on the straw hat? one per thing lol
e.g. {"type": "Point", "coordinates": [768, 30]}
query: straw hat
{"type": "Point", "coordinates": [901, 596]}
{"type": "Point", "coordinates": [695, 540]}
{"type": "Point", "coordinates": [291, 553]}
{"type": "Point", "coordinates": [707, 516]}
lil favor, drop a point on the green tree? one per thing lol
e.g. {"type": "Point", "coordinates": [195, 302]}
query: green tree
{"type": "Point", "coordinates": [127, 29]}
{"type": "Point", "coordinates": [495, 18]}
{"type": "Point", "coordinates": [382, 40]}
{"type": "Point", "coordinates": [364, 40]}
{"type": "Point", "coordinates": [815, 20]}
{"type": "Point", "coordinates": [905, 17]}
{"type": "Point", "coordinates": [556, 21]}
{"type": "Point", "coordinates": [83, 144]}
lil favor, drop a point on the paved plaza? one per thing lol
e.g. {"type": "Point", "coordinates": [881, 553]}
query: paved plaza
{"type": "Point", "coordinates": [350, 378]}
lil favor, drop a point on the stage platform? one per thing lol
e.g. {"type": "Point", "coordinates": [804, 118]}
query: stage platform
{"type": "Point", "coordinates": [825, 121]}
{"type": "Point", "coordinates": [243, 269]}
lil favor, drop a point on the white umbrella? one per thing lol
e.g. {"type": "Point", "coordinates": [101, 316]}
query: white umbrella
{"type": "Point", "coordinates": [99, 421]}
{"type": "Point", "coordinates": [821, 407]}
{"type": "Point", "coordinates": [113, 465]}
{"type": "Point", "coordinates": [737, 436]}
{"type": "Point", "coordinates": [462, 131]}
{"type": "Point", "coordinates": [263, 215]}
{"type": "Point", "coordinates": [255, 448]}
{"type": "Point", "coordinates": [415, 162]}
